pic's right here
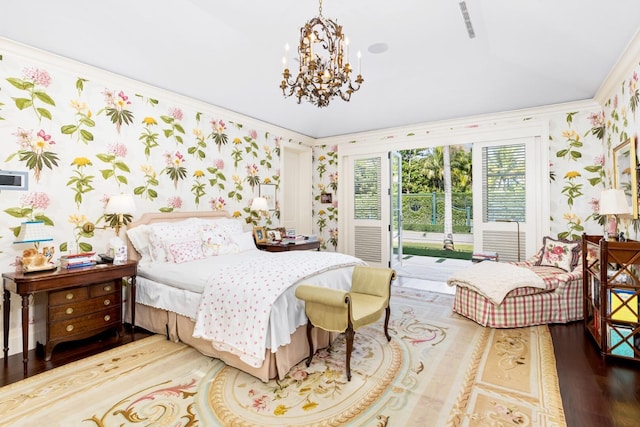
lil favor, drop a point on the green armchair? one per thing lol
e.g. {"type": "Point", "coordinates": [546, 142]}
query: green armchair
{"type": "Point", "coordinates": [345, 311]}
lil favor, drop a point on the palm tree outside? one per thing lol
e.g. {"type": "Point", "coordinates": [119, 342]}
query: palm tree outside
{"type": "Point", "coordinates": [436, 187]}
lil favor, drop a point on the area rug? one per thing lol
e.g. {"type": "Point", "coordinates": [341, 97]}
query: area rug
{"type": "Point", "coordinates": [439, 369]}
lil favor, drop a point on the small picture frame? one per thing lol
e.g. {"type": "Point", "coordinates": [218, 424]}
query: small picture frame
{"type": "Point", "coordinates": [274, 235]}
{"type": "Point", "coordinates": [291, 232]}
{"type": "Point", "coordinates": [259, 234]}
{"type": "Point", "coordinates": [326, 198]}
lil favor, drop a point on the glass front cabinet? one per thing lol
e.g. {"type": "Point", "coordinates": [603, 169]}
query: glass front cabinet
{"type": "Point", "coordinates": [611, 291]}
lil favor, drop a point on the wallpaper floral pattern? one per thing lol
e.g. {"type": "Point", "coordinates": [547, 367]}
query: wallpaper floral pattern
{"type": "Point", "coordinates": [580, 149]}
{"type": "Point", "coordinates": [83, 139]}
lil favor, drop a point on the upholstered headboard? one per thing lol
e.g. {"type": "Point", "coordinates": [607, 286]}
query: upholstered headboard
{"type": "Point", "coordinates": [152, 217]}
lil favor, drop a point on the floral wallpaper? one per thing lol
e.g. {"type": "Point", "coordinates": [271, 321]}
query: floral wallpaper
{"type": "Point", "coordinates": [83, 137]}
{"type": "Point", "coordinates": [580, 147]}
{"type": "Point", "coordinates": [325, 167]}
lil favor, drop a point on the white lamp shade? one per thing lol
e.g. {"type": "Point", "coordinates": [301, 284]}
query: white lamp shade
{"type": "Point", "coordinates": [121, 204]}
{"type": "Point", "coordinates": [259, 204]}
{"type": "Point", "coordinates": [614, 202]}
{"type": "Point", "coordinates": [33, 231]}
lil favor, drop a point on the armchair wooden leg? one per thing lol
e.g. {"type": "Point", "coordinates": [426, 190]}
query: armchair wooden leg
{"type": "Point", "coordinates": [310, 340]}
{"type": "Point", "coordinates": [386, 323]}
{"type": "Point", "coordinates": [349, 333]}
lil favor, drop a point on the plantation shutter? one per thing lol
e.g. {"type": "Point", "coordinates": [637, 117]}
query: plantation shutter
{"type": "Point", "coordinates": [366, 190]}
{"type": "Point", "coordinates": [367, 209]}
{"type": "Point", "coordinates": [506, 194]}
{"type": "Point", "coordinates": [504, 181]}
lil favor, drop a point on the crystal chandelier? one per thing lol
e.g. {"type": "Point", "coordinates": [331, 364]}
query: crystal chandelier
{"type": "Point", "coordinates": [324, 70]}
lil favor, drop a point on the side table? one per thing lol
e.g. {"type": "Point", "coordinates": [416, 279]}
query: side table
{"type": "Point", "coordinates": [81, 302]}
{"type": "Point", "coordinates": [283, 247]}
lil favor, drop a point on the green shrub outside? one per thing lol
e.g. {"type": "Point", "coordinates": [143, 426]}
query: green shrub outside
{"type": "Point", "coordinates": [418, 215]}
{"type": "Point", "coordinates": [432, 250]}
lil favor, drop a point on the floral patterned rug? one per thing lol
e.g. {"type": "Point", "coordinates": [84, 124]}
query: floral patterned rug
{"type": "Point", "coordinates": [438, 370]}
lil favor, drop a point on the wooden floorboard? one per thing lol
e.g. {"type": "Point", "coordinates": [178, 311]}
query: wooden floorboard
{"type": "Point", "coordinates": [11, 370]}
{"type": "Point", "coordinates": [595, 391]}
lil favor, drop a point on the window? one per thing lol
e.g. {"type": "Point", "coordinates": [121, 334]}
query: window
{"type": "Point", "coordinates": [504, 182]}
{"type": "Point", "coordinates": [367, 185]}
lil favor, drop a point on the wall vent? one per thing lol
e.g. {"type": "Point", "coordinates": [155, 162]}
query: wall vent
{"type": "Point", "coordinates": [467, 19]}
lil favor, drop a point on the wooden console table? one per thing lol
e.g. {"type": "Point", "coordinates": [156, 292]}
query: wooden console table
{"type": "Point", "coordinates": [81, 302]}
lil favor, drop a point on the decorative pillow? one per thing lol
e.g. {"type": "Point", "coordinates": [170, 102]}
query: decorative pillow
{"type": "Point", "coordinates": [559, 253]}
{"type": "Point", "coordinates": [161, 232]}
{"type": "Point", "coordinates": [184, 250]}
{"type": "Point", "coordinates": [244, 241]}
{"type": "Point", "coordinates": [213, 238]}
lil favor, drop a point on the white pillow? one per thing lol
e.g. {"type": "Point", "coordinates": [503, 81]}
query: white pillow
{"type": "Point", "coordinates": [139, 238]}
{"type": "Point", "coordinates": [244, 241]}
{"type": "Point", "coordinates": [231, 226]}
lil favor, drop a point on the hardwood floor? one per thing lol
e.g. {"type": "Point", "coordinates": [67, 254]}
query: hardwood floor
{"type": "Point", "coordinates": [63, 353]}
{"type": "Point", "coordinates": [595, 392]}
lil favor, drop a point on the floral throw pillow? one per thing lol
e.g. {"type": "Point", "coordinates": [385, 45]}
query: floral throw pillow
{"type": "Point", "coordinates": [185, 251]}
{"type": "Point", "coordinates": [559, 253]}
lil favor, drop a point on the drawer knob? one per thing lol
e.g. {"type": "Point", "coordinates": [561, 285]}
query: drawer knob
{"type": "Point", "coordinates": [69, 310]}
{"type": "Point", "coordinates": [107, 318]}
{"type": "Point", "coordinates": [107, 302]}
{"type": "Point", "coordinates": [108, 288]}
{"type": "Point", "coordinates": [69, 295]}
{"type": "Point", "coordinates": [69, 328]}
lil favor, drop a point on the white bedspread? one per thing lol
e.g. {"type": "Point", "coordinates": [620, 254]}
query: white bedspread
{"type": "Point", "coordinates": [495, 280]}
{"type": "Point", "coordinates": [235, 308]}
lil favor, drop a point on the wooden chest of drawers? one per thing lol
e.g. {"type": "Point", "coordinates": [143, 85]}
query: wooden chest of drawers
{"type": "Point", "coordinates": [81, 312]}
{"type": "Point", "coordinates": [79, 302]}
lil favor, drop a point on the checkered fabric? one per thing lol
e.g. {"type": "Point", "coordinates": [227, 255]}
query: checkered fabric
{"type": "Point", "coordinates": [559, 302]}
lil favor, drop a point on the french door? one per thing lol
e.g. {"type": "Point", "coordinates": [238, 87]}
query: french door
{"type": "Point", "coordinates": [504, 198]}
{"type": "Point", "coordinates": [395, 195]}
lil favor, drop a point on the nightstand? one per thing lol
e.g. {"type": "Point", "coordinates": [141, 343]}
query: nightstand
{"type": "Point", "coordinates": [279, 247]}
{"type": "Point", "coordinates": [80, 303]}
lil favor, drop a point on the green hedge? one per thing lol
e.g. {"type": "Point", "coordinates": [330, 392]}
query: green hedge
{"type": "Point", "coordinates": [417, 212]}
{"type": "Point", "coordinates": [438, 253]}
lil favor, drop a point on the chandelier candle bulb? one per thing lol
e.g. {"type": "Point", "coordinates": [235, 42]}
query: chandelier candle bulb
{"type": "Point", "coordinates": [346, 50]}
{"type": "Point", "coordinates": [286, 55]}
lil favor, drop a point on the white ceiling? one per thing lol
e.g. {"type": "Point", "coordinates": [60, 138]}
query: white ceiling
{"type": "Point", "coordinates": [229, 52]}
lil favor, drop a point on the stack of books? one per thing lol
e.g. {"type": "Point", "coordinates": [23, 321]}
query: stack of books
{"type": "Point", "coordinates": [83, 259]}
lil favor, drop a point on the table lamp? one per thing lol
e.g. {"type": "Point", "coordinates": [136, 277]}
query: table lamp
{"type": "Point", "coordinates": [120, 205]}
{"type": "Point", "coordinates": [261, 206]}
{"type": "Point", "coordinates": [613, 202]}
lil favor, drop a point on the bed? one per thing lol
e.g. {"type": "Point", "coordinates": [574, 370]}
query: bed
{"type": "Point", "coordinates": [209, 300]}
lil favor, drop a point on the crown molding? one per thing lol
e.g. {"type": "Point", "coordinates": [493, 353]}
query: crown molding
{"type": "Point", "coordinates": [628, 61]}
{"type": "Point", "coordinates": [461, 125]}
